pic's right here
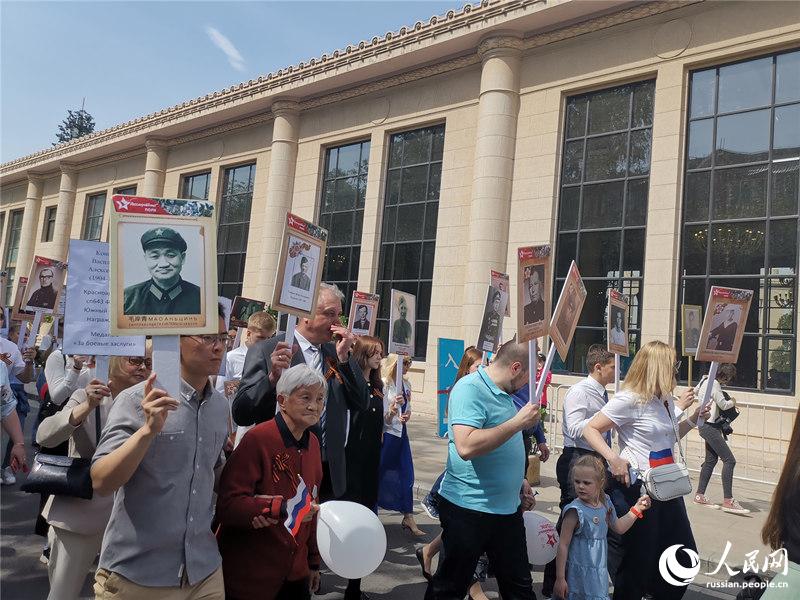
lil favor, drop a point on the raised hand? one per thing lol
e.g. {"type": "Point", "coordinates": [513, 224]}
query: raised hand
{"type": "Point", "coordinates": [157, 404]}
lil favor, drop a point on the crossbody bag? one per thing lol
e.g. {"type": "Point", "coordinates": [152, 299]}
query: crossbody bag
{"type": "Point", "coordinates": [667, 482]}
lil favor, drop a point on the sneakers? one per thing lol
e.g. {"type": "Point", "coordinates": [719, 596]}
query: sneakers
{"type": "Point", "coordinates": [429, 507]}
{"type": "Point", "coordinates": [702, 500]}
{"type": "Point", "coordinates": [732, 506]}
{"type": "Point", "coordinates": [7, 477]}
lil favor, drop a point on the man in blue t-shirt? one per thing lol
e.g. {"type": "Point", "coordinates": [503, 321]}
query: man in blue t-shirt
{"type": "Point", "coordinates": [483, 492]}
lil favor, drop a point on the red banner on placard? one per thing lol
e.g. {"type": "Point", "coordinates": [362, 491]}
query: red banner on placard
{"type": "Point", "coordinates": [615, 295]}
{"type": "Point", "coordinates": [297, 223]}
{"type": "Point", "coordinates": [365, 296]}
{"type": "Point", "coordinates": [525, 253]}
{"type": "Point", "coordinates": [138, 205]}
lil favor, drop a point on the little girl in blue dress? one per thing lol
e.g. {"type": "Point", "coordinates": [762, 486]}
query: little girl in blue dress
{"type": "Point", "coordinates": [581, 571]}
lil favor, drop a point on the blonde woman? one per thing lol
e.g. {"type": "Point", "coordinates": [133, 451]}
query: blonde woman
{"type": "Point", "coordinates": [645, 417]}
{"type": "Point", "coordinates": [396, 474]}
{"type": "Point", "coordinates": [77, 525]}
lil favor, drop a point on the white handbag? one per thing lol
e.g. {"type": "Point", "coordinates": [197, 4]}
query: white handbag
{"type": "Point", "coordinates": [667, 482]}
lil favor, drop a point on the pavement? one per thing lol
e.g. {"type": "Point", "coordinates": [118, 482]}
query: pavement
{"type": "Point", "coordinates": [23, 577]}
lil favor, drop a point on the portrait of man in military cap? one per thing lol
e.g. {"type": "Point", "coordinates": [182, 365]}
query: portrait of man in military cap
{"type": "Point", "coordinates": [301, 280]}
{"type": "Point", "coordinates": [165, 292]}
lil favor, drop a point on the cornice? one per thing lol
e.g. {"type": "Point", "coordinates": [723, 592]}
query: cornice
{"type": "Point", "coordinates": [154, 144]}
{"type": "Point", "coordinates": [500, 44]}
{"type": "Point", "coordinates": [470, 16]}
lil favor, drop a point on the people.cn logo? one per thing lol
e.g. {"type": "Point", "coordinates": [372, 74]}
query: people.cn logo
{"type": "Point", "coordinates": [674, 572]}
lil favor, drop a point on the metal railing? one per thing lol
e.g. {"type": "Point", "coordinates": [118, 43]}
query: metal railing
{"type": "Point", "coordinates": [759, 442]}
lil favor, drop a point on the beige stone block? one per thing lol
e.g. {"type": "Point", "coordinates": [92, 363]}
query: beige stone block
{"type": "Point", "coordinates": [665, 147]}
{"type": "Point", "coordinates": [665, 172]}
{"type": "Point", "coordinates": [663, 197]}
{"type": "Point", "coordinates": [662, 222]}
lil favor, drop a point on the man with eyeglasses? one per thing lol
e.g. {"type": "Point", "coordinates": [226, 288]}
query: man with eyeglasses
{"type": "Point", "coordinates": [255, 400]}
{"type": "Point", "coordinates": [160, 457]}
{"type": "Point", "coordinates": [45, 296]}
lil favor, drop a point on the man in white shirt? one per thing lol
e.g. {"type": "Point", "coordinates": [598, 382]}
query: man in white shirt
{"type": "Point", "coordinates": [583, 400]}
{"type": "Point", "coordinates": [260, 326]}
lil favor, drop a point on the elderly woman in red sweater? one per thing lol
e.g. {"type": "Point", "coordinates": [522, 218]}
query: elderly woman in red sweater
{"type": "Point", "coordinates": [267, 498]}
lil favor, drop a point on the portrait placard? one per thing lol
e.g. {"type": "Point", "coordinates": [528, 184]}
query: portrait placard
{"type": "Point", "coordinates": [44, 285]}
{"type": "Point", "coordinates": [402, 323]}
{"type": "Point", "coordinates": [568, 311]}
{"type": "Point", "coordinates": [299, 267]}
{"type": "Point", "coordinates": [501, 282]}
{"type": "Point", "coordinates": [533, 291]}
{"type": "Point", "coordinates": [617, 326]}
{"type": "Point", "coordinates": [86, 323]}
{"type": "Point", "coordinates": [724, 323]}
{"type": "Point", "coordinates": [691, 320]}
{"type": "Point", "coordinates": [163, 266]}
{"type": "Point", "coordinates": [243, 308]}
{"type": "Point", "coordinates": [492, 322]}
{"type": "Point", "coordinates": [363, 309]}
{"type": "Point", "coordinates": [17, 312]}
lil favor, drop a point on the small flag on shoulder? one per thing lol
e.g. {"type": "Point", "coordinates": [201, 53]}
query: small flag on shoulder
{"type": "Point", "coordinates": [297, 508]}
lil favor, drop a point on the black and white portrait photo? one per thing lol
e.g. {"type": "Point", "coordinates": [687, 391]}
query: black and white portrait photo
{"type": "Point", "coordinates": [533, 311]}
{"type": "Point", "coordinates": [401, 322]}
{"type": "Point", "coordinates": [691, 328]}
{"type": "Point", "coordinates": [363, 307]}
{"type": "Point", "coordinates": [724, 324]}
{"type": "Point", "coordinates": [243, 308]}
{"type": "Point", "coordinates": [492, 322]}
{"type": "Point", "coordinates": [44, 284]}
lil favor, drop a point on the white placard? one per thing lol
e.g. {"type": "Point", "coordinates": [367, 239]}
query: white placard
{"type": "Point", "coordinates": [86, 318]}
{"type": "Point", "coordinates": [167, 364]}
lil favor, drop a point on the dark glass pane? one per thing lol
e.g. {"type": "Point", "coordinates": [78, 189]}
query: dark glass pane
{"type": "Point", "coordinates": [566, 252]}
{"type": "Point", "coordinates": [703, 87]}
{"type": "Point", "coordinates": [787, 132]}
{"type": "Point", "coordinates": [387, 258]}
{"type": "Point", "coordinates": [633, 255]}
{"type": "Point", "coordinates": [694, 292]}
{"type": "Point", "coordinates": [236, 209]}
{"type": "Point", "coordinates": [431, 219]}
{"type": "Point", "coordinates": [241, 180]}
{"type": "Point", "coordinates": [639, 162]}
{"type": "Point", "coordinates": [576, 117]}
{"type": "Point", "coordinates": [328, 191]}
{"type": "Point", "coordinates": [428, 251]}
{"type": "Point", "coordinates": [357, 227]}
{"type": "Point", "coordinates": [396, 150]}
{"type": "Point", "coordinates": [698, 188]}
{"type": "Point", "coordinates": [606, 157]}
{"type": "Point", "coordinates": [393, 187]}
{"type": "Point", "coordinates": [409, 223]}
{"type": "Point", "coordinates": [783, 247]}
{"type": "Point", "coordinates": [636, 202]}
{"type": "Point", "coordinates": [784, 188]}
{"type": "Point", "coordinates": [364, 166]}
{"type": "Point", "coordinates": [355, 260]}
{"type": "Point", "coordinates": [599, 254]}
{"type": "Point", "coordinates": [421, 335]}
{"type": "Point", "coordinates": [745, 85]}
{"type": "Point", "coordinates": [743, 138]}
{"type": "Point", "coordinates": [594, 309]}
{"type": "Point", "coordinates": [325, 221]}
{"type": "Point", "coordinates": [570, 202]}
{"type": "Point", "coordinates": [437, 136]}
{"type": "Point", "coordinates": [233, 270]}
{"type": "Point", "coordinates": [346, 193]}
{"type": "Point", "coordinates": [389, 224]}
{"type": "Point", "coordinates": [341, 231]}
{"type": "Point", "coordinates": [609, 110]}
{"type": "Point", "coordinates": [337, 264]}
{"type": "Point", "coordinates": [737, 248]}
{"type": "Point", "coordinates": [382, 330]}
{"type": "Point", "coordinates": [602, 205]}
{"type": "Point", "coordinates": [414, 184]}
{"type": "Point", "coordinates": [361, 184]}
{"type": "Point", "coordinates": [406, 261]}
{"type": "Point", "coordinates": [787, 85]}
{"type": "Point", "coordinates": [237, 238]}
{"type": "Point", "coordinates": [385, 291]}
{"type": "Point", "coordinates": [434, 181]}
{"type": "Point", "coordinates": [330, 164]}
{"type": "Point", "coordinates": [781, 305]}
{"type": "Point", "coordinates": [740, 192]}
{"type": "Point", "coordinates": [424, 301]}
{"type": "Point", "coordinates": [780, 364]}
{"type": "Point", "coordinates": [126, 191]}
{"type": "Point", "coordinates": [748, 367]}
{"type": "Point", "coordinates": [695, 250]}
{"type": "Point", "coordinates": [349, 157]}
{"type": "Point", "coordinates": [222, 238]}
{"type": "Point", "coordinates": [643, 104]}
{"type": "Point", "coordinates": [700, 143]}
{"type": "Point", "coordinates": [580, 346]}
{"type": "Point", "coordinates": [573, 162]}
{"type": "Point", "coordinates": [416, 147]}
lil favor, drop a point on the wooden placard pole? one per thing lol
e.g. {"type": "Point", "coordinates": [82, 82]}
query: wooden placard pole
{"type": "Point", "coordinates": [616, 373]}
{"type": "Point", "coordinates": [25, 341]}
{"type": "Point", "coordinates": [691, 364]}
{"type": "Point", "coordinates": [532, 347]}
{"type": "Point", "coordinates": [101, 368]}
{"type": "Point", "coordinates": [545, 370]}
{"type": "Point", "coordinates": [712, 376]}
{"type": "Point", "coordinates": [291, 325]}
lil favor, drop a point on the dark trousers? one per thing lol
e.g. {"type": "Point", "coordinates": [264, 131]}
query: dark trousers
{"type": "Point", "coordinates": [326, 486]}
{"type": "Point", "coordinates": [563, 469]}
{"type": "Point", "coordinates": [466, 534]}
{"type": "Point", "coordinates": [633, 557]}
{"type": "Point", "coordinates": [716, 449]}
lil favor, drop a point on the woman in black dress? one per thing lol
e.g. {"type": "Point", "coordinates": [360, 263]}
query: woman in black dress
{"type": "Point", "coordinates": [363, 450]}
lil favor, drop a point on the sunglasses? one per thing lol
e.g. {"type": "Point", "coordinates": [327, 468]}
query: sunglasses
{"type": "Point", "coordinates": [138, 361]}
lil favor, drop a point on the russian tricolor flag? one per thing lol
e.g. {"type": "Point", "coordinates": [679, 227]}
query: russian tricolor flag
{"type": "Point", "coordinates": [297, 507]}
{"type": "Point", "coordinates": [661, 457]}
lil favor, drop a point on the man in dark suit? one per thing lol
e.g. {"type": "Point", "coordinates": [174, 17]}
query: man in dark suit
{"type": "Point", "coordinates": [534, 310]}
{"type": "Point", "coordinates": [256, 399]}
{"type": "Point", "coordinates": [725, 333]}
{"type": "Point", "coordinates": [45, 296]}
{"type": "Point", "coordinates": [361, 323]}
{"type": "Point", "coordinates": [301, 280]}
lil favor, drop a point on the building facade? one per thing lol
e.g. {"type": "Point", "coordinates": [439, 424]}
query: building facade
{"type": "Point", "coordinates": [657, 144]}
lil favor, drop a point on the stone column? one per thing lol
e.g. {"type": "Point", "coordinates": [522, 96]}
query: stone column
{"type": "Point", "coordinates": [155, 168]}
{"type": "Point", "coordinates": [30, 218]}
{"type": "Point", "coordinates": [66, 206]}
{"type": "Point", "coordinates": [493, 172]}
{"type": "Point", "coordinates": [280, 185]}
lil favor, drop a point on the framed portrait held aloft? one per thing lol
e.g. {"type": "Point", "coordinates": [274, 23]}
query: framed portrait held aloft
{"type": "Point", "coordinates": [617, 326]}
{"type": "Point", "coordinates": [299, 267]}
{"type": "Point", "coordinates": [723, 325]}
{"type": "Point", "coordinates": [402, 323]}
{"type": "Point", "coordinates": [18, 313]}
{"type": "Point", "coordinates": [567, 311]}
{"type": "Point", "coordinates": [163, 266]}
{"type": "Point", "coordinates": [691, 320]}
{"type": "Point", "coordinates": [363, 308]}
{"type": "Point", "coordinates": [492, 321]}
{"type": "Point", "coordinates": [533, 292]}
{"type": "Point", "coordinates": [501, 281]}
{"type": "Point", "coordinates": [243, 308]}
{"type": "Point", "coordinates": [45, 282]}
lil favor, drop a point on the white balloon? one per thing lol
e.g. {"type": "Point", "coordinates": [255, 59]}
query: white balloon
{"type": "Point", "coordinates": [351, 539]}
{"type": "Point", "coordinates": [541, 538]}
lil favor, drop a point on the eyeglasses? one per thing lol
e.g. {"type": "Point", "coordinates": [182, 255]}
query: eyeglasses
{"type": "Point", "coordinates": [677, 367]}
{"type": "Point", "coordinates": [406, 363]}
{"type": "Point", "coordinates": [211, 340]}
{"type": "Point", "coordinates": [138, 361]}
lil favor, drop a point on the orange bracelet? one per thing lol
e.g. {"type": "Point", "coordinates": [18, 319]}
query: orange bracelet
{"type": "Point", "coordinates": [637, 513]}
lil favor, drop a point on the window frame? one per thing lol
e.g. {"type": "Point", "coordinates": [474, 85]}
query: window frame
{"type": "Point", "coordinates": [221, 207]}
{"type": "Point", "coordinates": [187, 176]}
{"type": "Point", "coordinates": [49, 223]}
{"type": "Point", "coordinates": [86, 216]}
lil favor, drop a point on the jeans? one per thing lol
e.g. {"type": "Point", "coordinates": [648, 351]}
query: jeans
{"type": "Point", "coordinates": [716, 448]}
{"type": "Point", "coordinates": [466, 534]}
